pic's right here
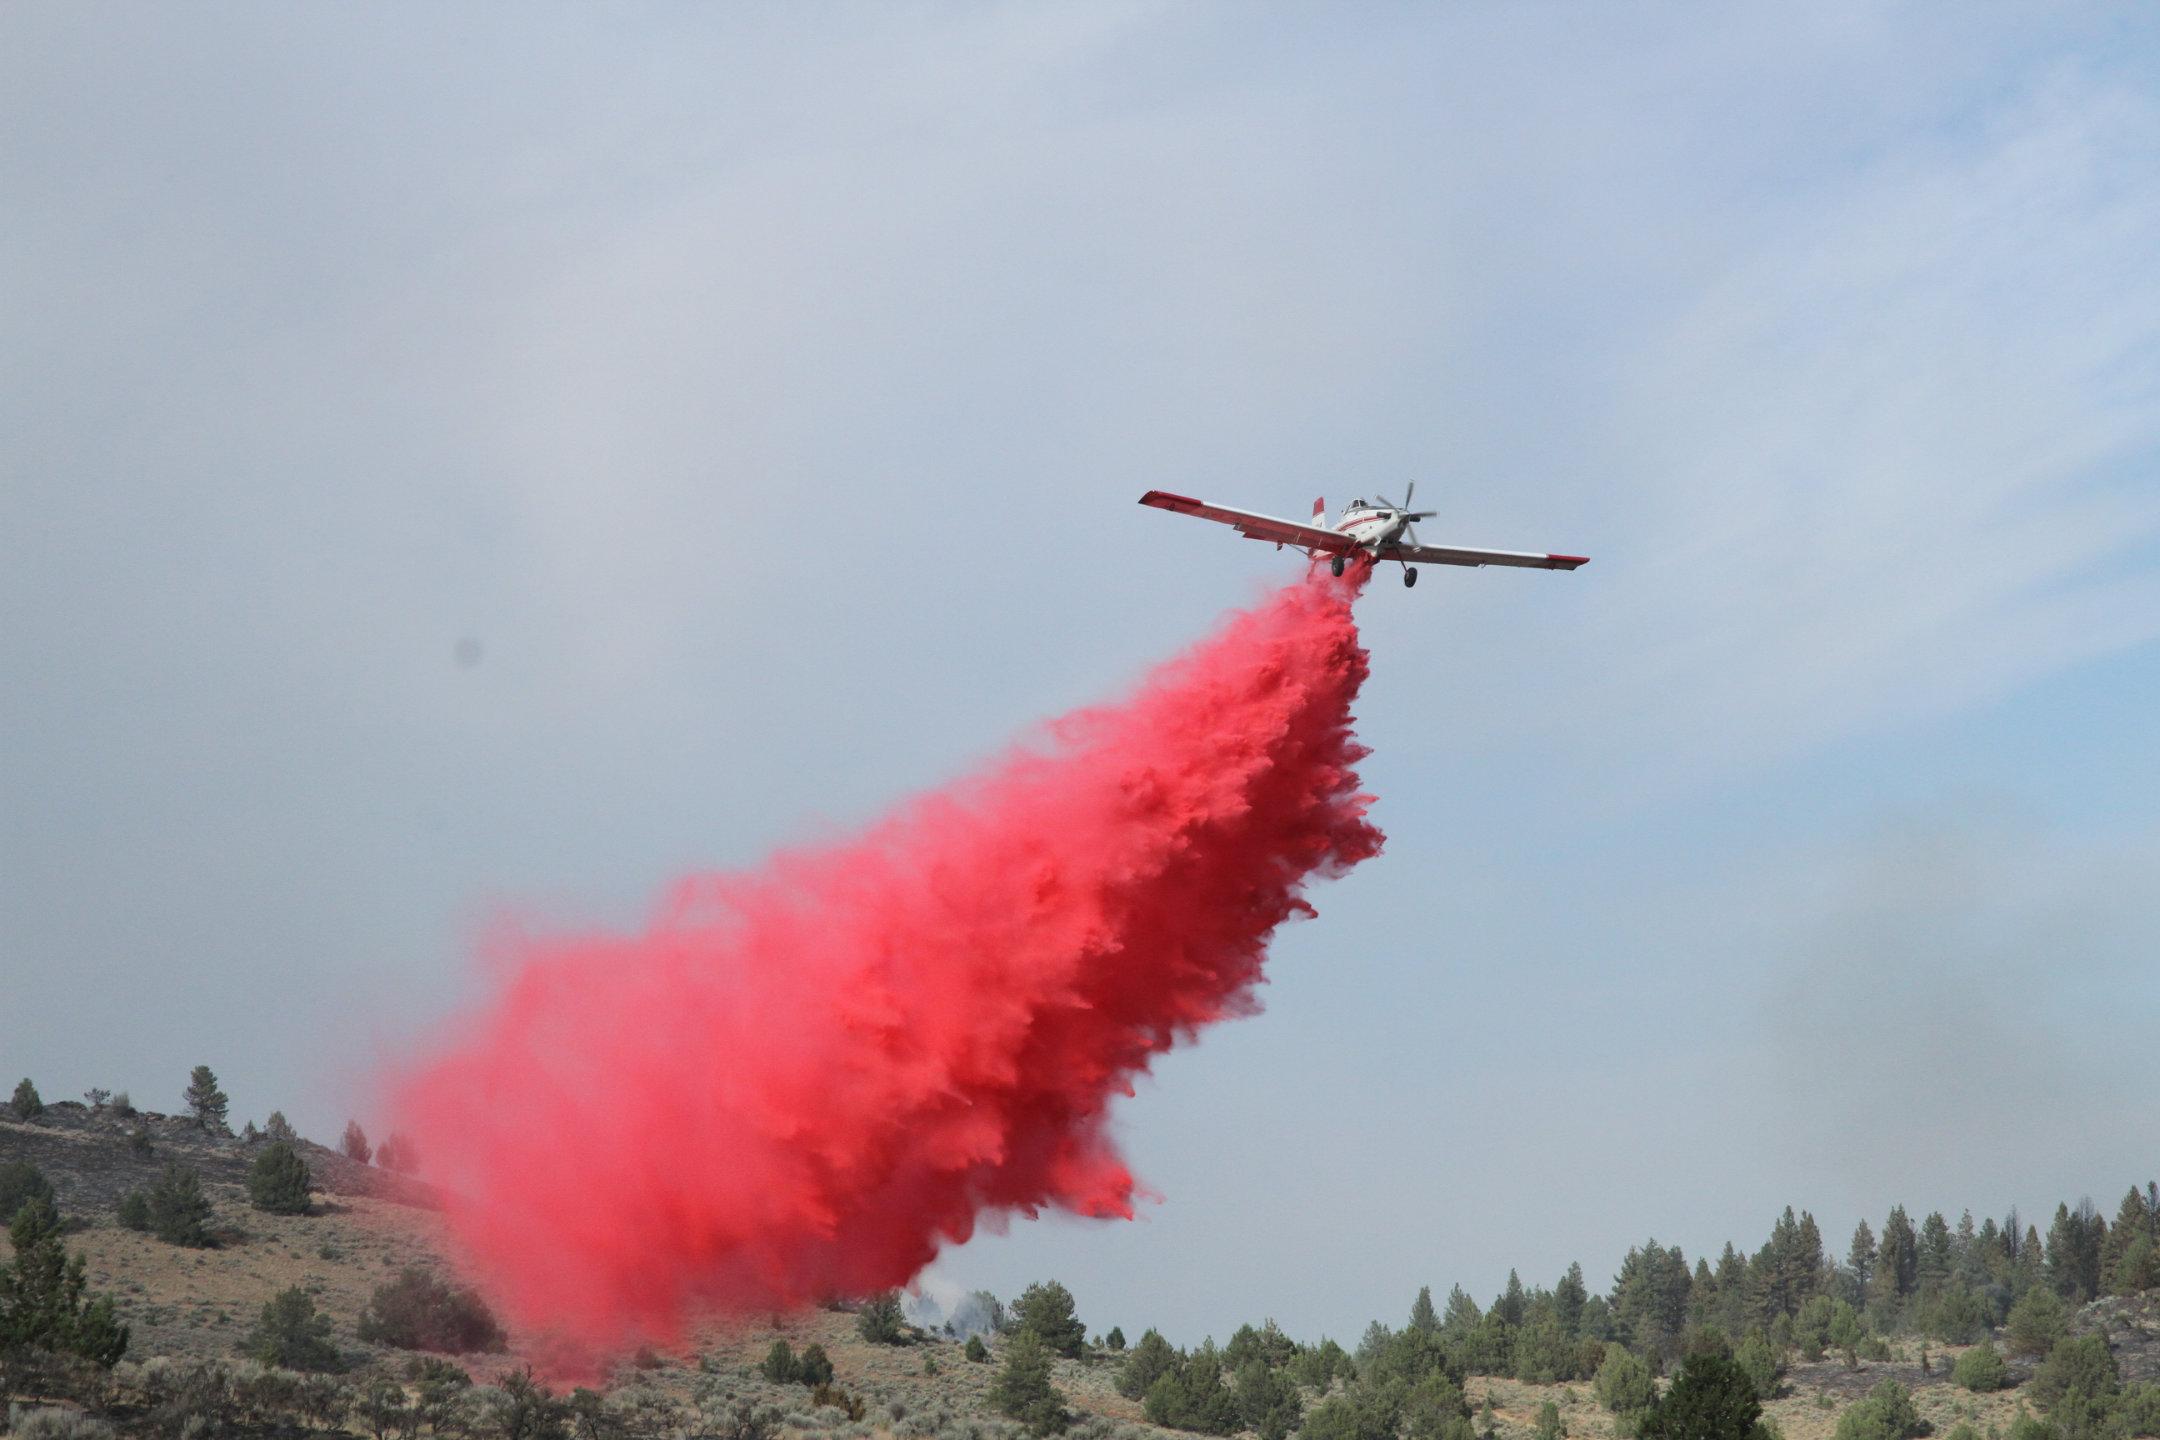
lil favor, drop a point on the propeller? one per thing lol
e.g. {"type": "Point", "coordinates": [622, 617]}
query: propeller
{"type": "Point", "coordinates": [1404, 510]}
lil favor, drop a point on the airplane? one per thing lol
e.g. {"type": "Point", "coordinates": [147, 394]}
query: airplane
{"type": "Point", "coordinates": [1380, 531]}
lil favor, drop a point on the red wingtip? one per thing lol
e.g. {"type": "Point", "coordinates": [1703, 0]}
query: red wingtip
{"type": "Point", "coordinates": [1568, 562]}
{"type": "Point", "coordinates": [1164, 500]}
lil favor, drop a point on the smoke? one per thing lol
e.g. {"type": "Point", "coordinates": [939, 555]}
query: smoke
{"type": "Point", "coordinates": [803, 1080]}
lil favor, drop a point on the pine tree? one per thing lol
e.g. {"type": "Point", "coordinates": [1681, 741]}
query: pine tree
{"type": "Point", "coordinates": [1422, 1314]}
{"type": "Point", "coordinates": [1114, 1342]}
{"type": "Point", "coordinates": [1023, 1390]}
{"type": "Point", "coordinates": [277, 1127]}
{"type": "Point", "coordinates": [27, 1105]}
{"type": "Point", "coordinates": [1509, 1307]}
{"type": "Point", "coordinates": [1462, 1315]}
{"type": "Point", "coordinates": [44, 1300]}
{"type": "Point", "coordinates": [353, 1144]}
{"type": "Point", "coordinates": [278, 1181]}
{"type": "Point", "coordinates": [205, 1101]}
{"type": "Point", "coordinates": [1897, 1262]}
{"type": "Point", "coordinates": [1569, 1296]}
{"type": "Point", "coordinates": [1931, 1269]}
{"type": "Point", "coordinates": [1860, 1258]}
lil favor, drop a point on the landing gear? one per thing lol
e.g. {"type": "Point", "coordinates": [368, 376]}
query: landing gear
{"type": "Point", "coordinates": [1409, 576]}
{"type": "Point", "coordinates": [1336, 564]}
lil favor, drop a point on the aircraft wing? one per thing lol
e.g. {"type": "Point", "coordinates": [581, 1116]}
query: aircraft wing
{"type": "Point", "coordinates": [1457, 555]}
{"type": "Point", "coordinates": [1253, 526]}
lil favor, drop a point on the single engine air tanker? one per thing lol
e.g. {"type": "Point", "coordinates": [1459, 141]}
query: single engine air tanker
{"type": "Point", "coordinates": [1379, 530]}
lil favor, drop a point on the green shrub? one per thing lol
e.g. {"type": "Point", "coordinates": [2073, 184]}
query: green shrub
{"type": "Point", "coordinates": [278, 1181]}
{"type": "Point", "coordinates": [976, 1350]}
{"type": "Point", "coordinates": [417, 1311]}
{"type": "Point", "coordinates": [1981, 1369]}
{"type": "Point", "coordinates": [26, 1104]}
{"type": "Point", "coordinates": [20, 1183]}
{"type": "Point", "coordinates": [135, 1210]}
{"type": "Point", "coordinates": [815, 1366]}
{"type": "Point", "coordinates": [292, 1336]}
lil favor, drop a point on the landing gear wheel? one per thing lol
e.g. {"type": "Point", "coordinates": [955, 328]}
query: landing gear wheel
{"type": "Point", "coordinates": [1409, 576]}
{"type": "Point", "coordinates": [1336, 565]}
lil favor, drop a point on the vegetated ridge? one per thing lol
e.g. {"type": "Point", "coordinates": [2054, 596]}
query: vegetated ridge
{"type": "Point", "coordinates": [251, 1307]}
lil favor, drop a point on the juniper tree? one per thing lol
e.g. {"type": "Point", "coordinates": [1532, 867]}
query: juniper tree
{"type": "Point", "coordinates": [1711, 1398]}
{"type": "Point", "coordinates": [279, 1181]}
{"type": "Point", "coordinates": [780, 1365]}
{"type": "Point", "coordinates": [353, 1144]}
{"type": "Point", "coordinates": [2037, 1321]}
{"type": "Point", "coordinates": [1115, 1340]}
{"type": "Point", "coordinates": [20, 1183]}
{"type": "Point", "coordinates": [1267, 1401]}
{"type": "Point", "coordinates": [814, 1366]}
{"type": "Point", "coordinates": [204, 1100]}
{"type": "Point", "coordinates": [1047, 1309]}
{"type": "Point", "coordinates": [976, 1350]}
{"type": "Point", "coordinates": [26, 1104]}
{"type": "Point", "coordinates": [1149, 1361]}
{"type": "Point", "coordinates": [880, 1321]}
{"type": "Point", "coordinates": [292, 1336]}
{"type": "Point", "coordinates": [1023, 1390]}
{"type": "Point", "coordinates": [179, 1211]}
{"type": "Point", "coordinates": [277, 1127]}
{"type": "Point", "coordinates": [1625, 1387]}
{"type": "Point", "coordinates": [1887, 1414]}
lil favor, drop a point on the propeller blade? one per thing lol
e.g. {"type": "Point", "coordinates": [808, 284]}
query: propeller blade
{"type": "Point", "coordinates": [1385, 501]}
{"type": "Point", "coordinates": [1407, 500]}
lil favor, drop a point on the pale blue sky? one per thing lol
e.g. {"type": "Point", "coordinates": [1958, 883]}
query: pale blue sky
{"type": "Point", "coordinates": [766, 390]}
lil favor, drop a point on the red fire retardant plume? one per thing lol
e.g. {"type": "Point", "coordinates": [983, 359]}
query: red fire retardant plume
{"type": "Point", "coordinates": [801, 1081]}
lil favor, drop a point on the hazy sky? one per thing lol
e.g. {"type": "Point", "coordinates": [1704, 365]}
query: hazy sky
{"type": "Point", "coordinates": [485, 458]}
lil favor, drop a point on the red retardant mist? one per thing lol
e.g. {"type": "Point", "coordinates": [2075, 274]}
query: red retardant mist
{"type": "Point", "coordinates": [801, 1081]}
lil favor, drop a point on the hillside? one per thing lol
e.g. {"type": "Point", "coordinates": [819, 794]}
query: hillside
{"type": "Point", "coordinates": [190, 1306]}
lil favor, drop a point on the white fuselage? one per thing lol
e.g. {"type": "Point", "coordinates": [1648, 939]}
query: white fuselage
{"type": "Point", "coordinates": [1370, 526]}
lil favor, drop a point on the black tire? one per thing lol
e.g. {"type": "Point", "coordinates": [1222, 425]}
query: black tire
{"type": "Point", "coordinates": [1336, 565]}
{"type": "Point", "coordinates": [1409, 576]}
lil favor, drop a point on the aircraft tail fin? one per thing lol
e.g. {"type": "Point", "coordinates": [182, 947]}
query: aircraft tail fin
{"type": "Point", "coordinates": [1319, 511]}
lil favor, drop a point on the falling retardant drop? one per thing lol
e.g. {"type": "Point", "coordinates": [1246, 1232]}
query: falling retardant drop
{"type": "Point", "coordinates": [801, 1081]}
